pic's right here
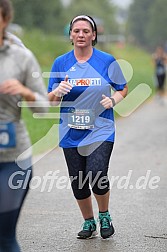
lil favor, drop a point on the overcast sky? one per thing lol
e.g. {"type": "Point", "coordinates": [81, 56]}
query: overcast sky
{"type": "Point", "coordinates": [121, 3]}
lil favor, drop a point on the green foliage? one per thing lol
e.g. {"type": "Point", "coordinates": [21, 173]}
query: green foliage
{"type": "Point", "coordinates": [147, 19]}
{"type": "Point", "coordinates": [146, 23]}
{"type": "Point", "coordinates": [140, 61]}
{"type": "Point", "coordinates": [53, 16]}
{"type": "Point", "coordinates": [45, 15]}
{"type": "Point", "coordinates": [95, 8]}
{"type": "Point", "coordinates": [143, 72]}
{"type": "Point", "coordinates": [138, 18]}
{"type": "Point", "coordinates": [156, 33]}
{"type": "Point", "coordinates": [45, 47]}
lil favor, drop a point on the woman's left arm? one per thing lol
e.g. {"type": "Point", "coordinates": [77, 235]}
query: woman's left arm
{"type": "Point", "coordinates": [110, 102]}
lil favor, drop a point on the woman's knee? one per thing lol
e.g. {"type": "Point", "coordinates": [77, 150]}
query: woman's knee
{"type": "Point", "coordinates": [80, 189]}
{"type": "Point", "coordinates": [100, 185]}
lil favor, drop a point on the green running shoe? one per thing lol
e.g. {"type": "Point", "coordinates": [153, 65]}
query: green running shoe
{"type": "Point", "coordinates": [89, 230]}
{"type": "Point", "coordinates": [106, 227]}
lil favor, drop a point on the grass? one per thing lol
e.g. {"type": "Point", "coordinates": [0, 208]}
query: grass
{"type": "Point", "coordinates": [140, 61]}
{"type": "Point", "coordinates": [46, 49]}
{"type": "Point", "coordinates": [143, 71]}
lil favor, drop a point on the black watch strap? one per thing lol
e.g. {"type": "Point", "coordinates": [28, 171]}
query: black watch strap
{"type": "Point", "coordinates": [113, 101]}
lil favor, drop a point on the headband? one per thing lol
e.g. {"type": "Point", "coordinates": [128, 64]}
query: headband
{"type": "Point", "coordinates": [83, 17]}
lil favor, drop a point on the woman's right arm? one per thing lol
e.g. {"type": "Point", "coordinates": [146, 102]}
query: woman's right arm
{"type": "Point", "coordinates": [63, 89]}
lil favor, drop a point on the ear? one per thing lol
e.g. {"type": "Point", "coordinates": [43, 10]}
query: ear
{"type": "Point", "coordinates": [71, 38]}
{"type": "Point", "coordinates": [94, 34]}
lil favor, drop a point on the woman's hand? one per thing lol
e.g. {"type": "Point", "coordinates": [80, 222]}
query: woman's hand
{"type": "Point", "coordinates": [63, 88]}
{"type": "Point", "coordinates": [118, 96]}
{"type": "Point", "coordinates": [106, 102]}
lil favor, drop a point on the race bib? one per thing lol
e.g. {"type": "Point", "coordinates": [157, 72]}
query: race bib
{"type": "Point", "coordinates": [7, 135]}
{"type": "Point", "coordinates": [81, 119]}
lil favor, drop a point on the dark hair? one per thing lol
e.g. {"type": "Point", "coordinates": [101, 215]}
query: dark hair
{"type": "Point", "coordinates": [88, 19]}
{"type": "Point", "coordinates": [7, 9]}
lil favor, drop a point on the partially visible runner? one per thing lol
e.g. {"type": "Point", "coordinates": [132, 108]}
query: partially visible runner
{"type": "Point", "coordinates": [81, 82]}
{"type": "Point", "coordinates": [14, 39]}
{"type": "Point", "coordinates": [16, 83]}
{"type": "Point", "coordinates": [160, 62]}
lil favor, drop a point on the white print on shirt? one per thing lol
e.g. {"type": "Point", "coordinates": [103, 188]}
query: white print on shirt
{"type": "Point", "coordinates": [85, 82]}
{"type": "Point", "coordinates": [72, 69]}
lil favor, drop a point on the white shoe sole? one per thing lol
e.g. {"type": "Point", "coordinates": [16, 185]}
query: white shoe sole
{"type": "Point", "coordinates": [94, 235]}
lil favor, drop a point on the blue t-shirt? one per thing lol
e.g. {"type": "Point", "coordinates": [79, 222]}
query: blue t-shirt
{"type": "Point", "coordinates": [90, 80]}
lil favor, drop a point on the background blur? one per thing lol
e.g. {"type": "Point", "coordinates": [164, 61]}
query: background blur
{"type": "Point", "coordinates": [143, 22]}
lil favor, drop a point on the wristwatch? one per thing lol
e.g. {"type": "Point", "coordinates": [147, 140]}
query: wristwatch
{"type": "Point", "coordinates": [113, 101]}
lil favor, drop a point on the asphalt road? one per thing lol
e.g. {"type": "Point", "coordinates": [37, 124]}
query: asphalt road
{"type": "Point", "coordinates": [50, 218]}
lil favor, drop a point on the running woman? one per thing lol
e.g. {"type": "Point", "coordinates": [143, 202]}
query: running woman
{"type": "Point", "coordinates": [81, 81]}
{"type": "Point", "coordinates": [16, 83]}
{"type": "Point", "coordinates": [160, 62]}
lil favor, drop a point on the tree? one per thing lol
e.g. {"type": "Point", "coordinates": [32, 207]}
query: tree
{"type": "Point", "coordinates": [138, 19]}
{"type": "Point", "coordinates": [103, 10]}
{"type": "Point", "coordinates": [40, 14]}
{"type": "Point", "coordinates": [156, 32]}
{"type": "Point", "coordinates": [147, 19]}
{"type": "Point", "coordinates": [53, 16]}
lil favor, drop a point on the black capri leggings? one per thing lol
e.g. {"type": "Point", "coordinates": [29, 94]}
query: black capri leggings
{"type": "Point", "coordinates": [161, 81]}
{"type": "Point", "coordinates": [88, 165]}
